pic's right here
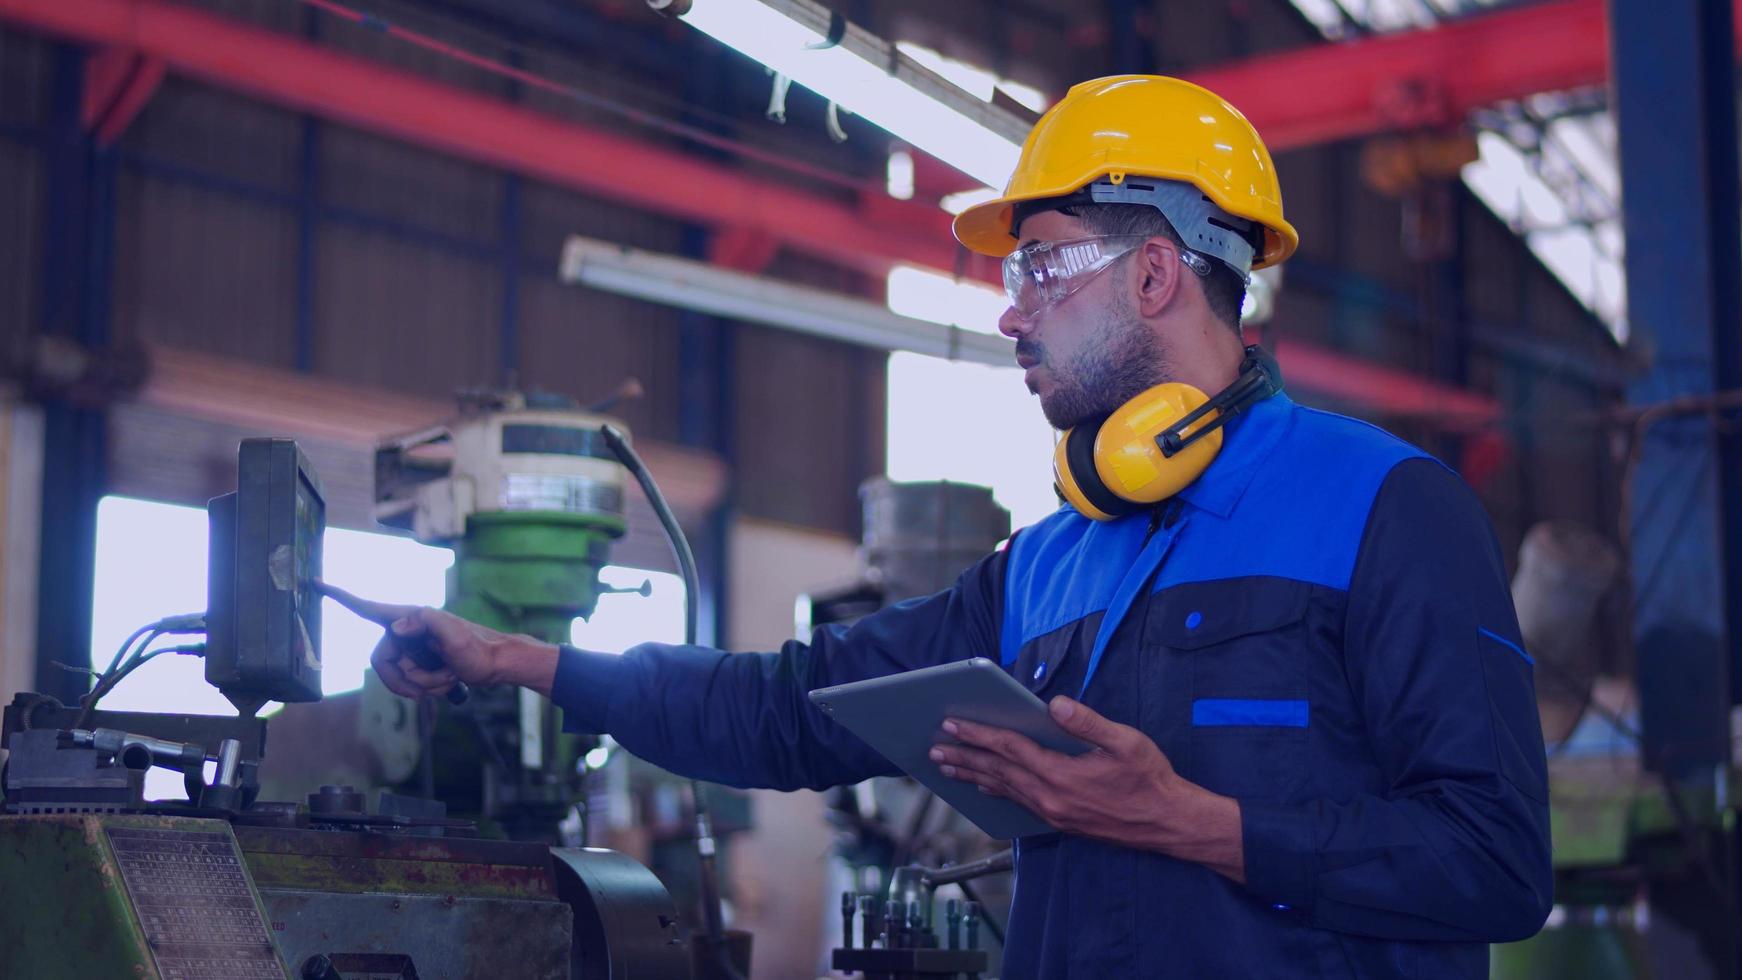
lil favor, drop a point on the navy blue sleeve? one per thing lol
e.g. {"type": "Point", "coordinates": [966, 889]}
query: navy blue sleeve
{"type": "Point", "coordinates": [744, 719]}
{"type": "Point", "coordinates": [1456, 844]}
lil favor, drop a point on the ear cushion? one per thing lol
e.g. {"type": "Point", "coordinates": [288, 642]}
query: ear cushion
{"type": "Point", "coordinates": [1080, 457]}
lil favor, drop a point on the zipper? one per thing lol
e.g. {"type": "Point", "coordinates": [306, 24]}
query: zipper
{"type": "Point", "coordinates": [1162, 515]}
{"type": "Point", "coordinates": [1154, 525]}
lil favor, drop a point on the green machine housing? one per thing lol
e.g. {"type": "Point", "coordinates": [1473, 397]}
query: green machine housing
{"type": "Point", "coordinates": [529, 496]}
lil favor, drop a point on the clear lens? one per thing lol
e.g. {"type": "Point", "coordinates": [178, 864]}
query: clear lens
{"type": "Point", "coordinates": [1040, 276]}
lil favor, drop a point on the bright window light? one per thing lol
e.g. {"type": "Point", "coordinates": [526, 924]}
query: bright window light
{"type": "Point", "coordinates": [969, 423]}
{"type": "Point", "coordinates": [1503, 175]}
{"type": "Point", "coordinates": [901, 175]}
{"type": "Point", "coordinates": [1556, 183]}
{"type": "Point", "coordinates": [926, 295]}
{"type": "Point", "coordinates": [151, 562]}
{"type": "Point", "coordinates": [1026, 96]}
{"type": "Point", "coordinates": [963, 200]}
{"type": "Point", "coordinates": [1325, 14]}
{"type": "Point", "coordinates": [623, 620]}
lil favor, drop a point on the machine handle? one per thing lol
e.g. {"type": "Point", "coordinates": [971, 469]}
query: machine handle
{"type": "Point", "coordinates": [421, 654]}
{"type": "Point", "coordinates": [383, 615]}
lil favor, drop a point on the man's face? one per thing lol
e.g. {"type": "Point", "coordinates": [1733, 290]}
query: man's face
{"type": "Point", "coordinates": [1091, 353]}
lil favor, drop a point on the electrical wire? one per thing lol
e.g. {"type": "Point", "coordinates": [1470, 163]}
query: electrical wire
{"type": "Point", "coordinates": [686, 562]}
{"type": "Point", "coordinates": [133, 644]}
{"type": "Point", "coordinates": [533, 80]}
{"type": "Point", "coordinates": [184, 623]}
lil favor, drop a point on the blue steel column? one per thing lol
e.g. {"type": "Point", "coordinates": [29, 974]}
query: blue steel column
{"type": "Point", "coordinates": [1675, 111]}
{"type": "Point", "coordinates": [1674, 101]}
{"type": "Point", "coordinates": [77, 264]}
{"type": "Point", "coordinates": [1131, 51]}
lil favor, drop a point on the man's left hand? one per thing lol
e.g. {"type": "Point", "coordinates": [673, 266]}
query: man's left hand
{"type": "Point", "coordinates": [1124, 790]}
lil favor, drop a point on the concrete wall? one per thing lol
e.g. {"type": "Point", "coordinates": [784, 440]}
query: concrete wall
{"type": "Point", "coordinates": [780, 866]}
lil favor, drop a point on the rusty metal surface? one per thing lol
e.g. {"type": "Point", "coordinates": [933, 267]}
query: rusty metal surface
{"type": "Point", "coordinates": [445, 937]}
{"type": "Point", "coordinates": [65, 911]}
{"type": "Point", "coordinates": [92, 909]}
{"type": "Point", "coordinates": [364, 862]}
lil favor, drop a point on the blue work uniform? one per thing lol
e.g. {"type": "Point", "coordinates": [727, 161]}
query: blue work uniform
{"type": "Point", "coordinates": [1319, 627]}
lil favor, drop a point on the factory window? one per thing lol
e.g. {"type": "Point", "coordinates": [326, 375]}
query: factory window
{"type": "Point", "coordinates": [151, 562]}
{"type": "Point", "coordinates": [968, 423]}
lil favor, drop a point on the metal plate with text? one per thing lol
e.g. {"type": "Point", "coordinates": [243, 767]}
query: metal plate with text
{"type": "Point", "coordinates": [194, 904]}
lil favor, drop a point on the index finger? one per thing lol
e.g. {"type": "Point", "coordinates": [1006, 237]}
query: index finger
{"type": "Point", "coordinates": [382, 613]}
{"type": "Point", "coordinates": [1011, 745]}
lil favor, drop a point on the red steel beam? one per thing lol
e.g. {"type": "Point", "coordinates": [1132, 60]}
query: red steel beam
{"type": "Point", "coordinates": [874, 233]}
{"type": "Point", "coordinates": [307, 77]}
{"type": "Point", "coordinates": [118, 83]}
{"type": "Point", "coordinates": [1433, 76]}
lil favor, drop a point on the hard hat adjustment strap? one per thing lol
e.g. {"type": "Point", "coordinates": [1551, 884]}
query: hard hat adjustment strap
{"type": "Point", "coordinates": [1200, 222]}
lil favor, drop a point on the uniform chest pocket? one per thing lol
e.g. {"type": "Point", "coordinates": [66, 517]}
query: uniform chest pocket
{"type": "Point", "coordinates": [1053, 663]}
{"type": "Point", "coordinates": [1243, 647]}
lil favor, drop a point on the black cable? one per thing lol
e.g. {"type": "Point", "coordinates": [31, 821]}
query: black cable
{"type": "Point", "coordinates": [106, 680]}
{"type": "Point", "coordinates": [183, 623]}
{"type": "Point", "coordinates": [617, 107]}
{"type": "Point", "coordinates": [113, 679]}
{"type": "Point", "coordinates": [686, 563]}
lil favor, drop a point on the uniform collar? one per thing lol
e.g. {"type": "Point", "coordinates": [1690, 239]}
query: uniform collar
{"type": "Point", "coordinates": [1246, 444]}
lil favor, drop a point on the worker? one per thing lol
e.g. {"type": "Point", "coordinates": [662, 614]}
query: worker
{"type": "Point", "coordinates": [1287, 633]}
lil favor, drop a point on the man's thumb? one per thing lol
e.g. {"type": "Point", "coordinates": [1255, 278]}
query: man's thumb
{"type": "Point", "coordinates": [1081, 720]}
{"type": "Point", "coordinates": [410, 624]}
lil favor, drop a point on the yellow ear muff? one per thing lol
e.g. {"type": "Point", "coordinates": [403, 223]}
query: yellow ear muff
{"type": "Point", "coordinates": [1131, 463]}
{"type": "Point", "coordinates": [1115, 467]}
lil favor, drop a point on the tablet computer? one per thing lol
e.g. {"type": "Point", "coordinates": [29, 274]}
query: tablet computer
{"type": "Point", "coordinates": [901, 716]}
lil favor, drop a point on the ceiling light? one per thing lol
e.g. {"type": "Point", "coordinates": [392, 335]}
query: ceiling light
{"type": "Point", "coordinates": [865, 75]}
{"type": "Point", "coordinates": [900, 175]}
{"type": "Point", "coordinates": [693, 285]}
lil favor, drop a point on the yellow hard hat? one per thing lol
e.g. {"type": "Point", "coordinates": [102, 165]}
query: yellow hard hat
{"type": "Point", "coordinates": [1110, 128]}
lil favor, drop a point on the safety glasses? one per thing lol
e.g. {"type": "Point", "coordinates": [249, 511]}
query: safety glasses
{"type": "Point", "coordinates": [1040, 276]}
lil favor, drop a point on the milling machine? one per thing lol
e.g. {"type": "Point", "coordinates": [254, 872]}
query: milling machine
{"type": "Point", "coordinates": [526, 491]}
{"type": "Point", "coordinates": [102, 882]}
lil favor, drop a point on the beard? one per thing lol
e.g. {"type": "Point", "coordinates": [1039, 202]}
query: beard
{"type": "Point", "coordinates": [1121, 359]}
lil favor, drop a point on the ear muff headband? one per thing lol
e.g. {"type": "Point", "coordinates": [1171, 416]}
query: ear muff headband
{"type": "Point", "coordinates": [1260, 377]}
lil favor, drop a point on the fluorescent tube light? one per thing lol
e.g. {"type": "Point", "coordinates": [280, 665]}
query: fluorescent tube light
{"type": "Point", "coordinates": [693, 285]}
{"type": "Point", "coordinates": [865, 75]}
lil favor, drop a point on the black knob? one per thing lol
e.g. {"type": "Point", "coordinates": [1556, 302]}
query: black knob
{"type": "Point", "coordinates": [332, 800]}
{"type": "Point", "coordinates": [318, 967]}
{"type": "Point", "coordinates": [868, 928]}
